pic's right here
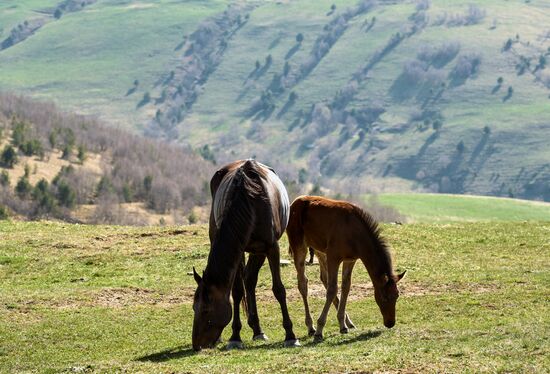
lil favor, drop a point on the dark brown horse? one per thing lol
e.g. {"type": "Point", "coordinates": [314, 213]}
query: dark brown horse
{"type": "Point", "coordinates": [338, 232]}
{"type": "Point", "coordinates": [249, 213]}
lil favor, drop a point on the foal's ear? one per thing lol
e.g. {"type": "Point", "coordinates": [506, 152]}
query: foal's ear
{"type": "Point", "coordinates": [400, 276]}
{"type": "Point", "coordinates": [197, 277]}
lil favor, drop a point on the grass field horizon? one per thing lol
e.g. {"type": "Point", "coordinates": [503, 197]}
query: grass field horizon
{"type": "Point", "coordinates": [442, 208]}
{"type": "Point", "coordinates": [78, 298]}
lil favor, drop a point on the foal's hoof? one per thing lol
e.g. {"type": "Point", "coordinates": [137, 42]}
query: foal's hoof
{"type": "Point", "coordinates": [311, 332]}
{"type": "Point", "coordinates": [261, 336]}
{"type": "Point", "coordinates": [317, 338]}
{"type": "Point", "coordinates": [292, 343]}
{"type": "Point", "coordinates": [235, 345]}
{"type": "Point", "coordinates": [344, 330]}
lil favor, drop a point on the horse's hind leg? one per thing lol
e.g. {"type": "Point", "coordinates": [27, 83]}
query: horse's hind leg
{"type": "Point", "coordinates": [280, 294]}
{"type": "Point", "coordinates": [237, 293]}
{"type": "Point", "coordinates": [332, 290]}
{"type": "Point", "coordinates": [255, 262]}
{"type": "Point", "coordinates": [300, 253]}
{"type": "Point", "coordinates": [323, 275]}
{"type": "Point", "coordinates": [343, 317]}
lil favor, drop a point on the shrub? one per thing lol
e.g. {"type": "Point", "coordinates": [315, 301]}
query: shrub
{"type": "Point", "coordinates": [18, 133]}
{"type": "Point", "coordinates": [82, 153]}
{"type": "Point", "coordinates": [32, 147]}
{"type": "Point", "coordinates": [193, 218]}
{"type": "Point", "coordinates": [423, 5]}
{"type": "Point", "coordinates": [66, 195]}
{"type": "Point", "coordinates": [23, 187]}
{"type": "Point", "coordinates": [466, 66]}
{"type": "Point", "coordinates": [4, 179]}
{"type": "Point", "coordinates": [9, 157]}
{"type": "Point", "coordinates": [460, 147]}
{"type": "Point", "coordinates": [299, 38]}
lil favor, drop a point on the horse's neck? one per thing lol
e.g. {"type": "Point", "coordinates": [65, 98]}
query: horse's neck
{"type": "Point", "coordinates": [375, 261]}
{"type": "Point", "coordinates": [227, 251]}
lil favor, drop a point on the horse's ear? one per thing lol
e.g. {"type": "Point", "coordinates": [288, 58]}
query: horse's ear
{"type": "Point", "coordinates": [197, 277]}
{"type": "Point", "coordinates": [400, 276]}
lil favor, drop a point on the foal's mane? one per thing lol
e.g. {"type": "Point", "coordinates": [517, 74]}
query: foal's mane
{"type": "Point", "coordinates": [380, 244]}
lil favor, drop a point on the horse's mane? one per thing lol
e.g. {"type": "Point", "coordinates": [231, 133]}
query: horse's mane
{"type": "Point", "coordinates": [237, 221]}
{"type": "Point", "coordinates": [378, 241]}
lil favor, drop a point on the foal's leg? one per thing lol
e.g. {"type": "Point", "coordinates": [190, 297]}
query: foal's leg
{"type": "Point", "coordinates": [323, 276]}
{"type": "Point", "coordinates": [255, 262]}
{"type": "Point", "coordinates": [237, 293]}
{"type": "Point", "coordinates": [299, 262]}
{"type": "Point", "coordinates": [323, 270]}
{"type": "Point", "coordinates": [343, 317]}
{"type": "Point", "coordinates": [280, 294]}
{"type": "Point", "coordinates": [332, 290]}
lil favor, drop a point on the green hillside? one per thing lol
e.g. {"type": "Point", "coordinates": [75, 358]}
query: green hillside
{"type": "Point", "coordinates": [440, 96]}
{"type": "Point", "coordinates": [456, 208]}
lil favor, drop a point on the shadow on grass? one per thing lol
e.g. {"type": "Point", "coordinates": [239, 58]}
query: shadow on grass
{"type": "Point", "coordinates": [360, 337]}
{"type": "Point", "coordinates": [182, 352]}
{"type": "Point", "coordinates": [168, 354]}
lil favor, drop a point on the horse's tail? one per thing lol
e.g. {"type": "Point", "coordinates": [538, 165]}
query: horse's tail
{"type": "Point", "coordinates": [240, 278]}
{"type": "Point", "coordinates": [295, 228]}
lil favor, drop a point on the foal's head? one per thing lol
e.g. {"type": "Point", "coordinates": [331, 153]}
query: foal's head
{"type": "Point", "coordinates": [386, 294]}
{"type": "Point", "coordinates": [212, 313]}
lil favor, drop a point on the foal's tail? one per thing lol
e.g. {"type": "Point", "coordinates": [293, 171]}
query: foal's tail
{"type": "Point", "coordinates": [295, 228]}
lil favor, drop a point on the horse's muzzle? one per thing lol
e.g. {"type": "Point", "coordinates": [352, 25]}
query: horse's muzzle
{"type": "Point", "coordinates": [389, 324]}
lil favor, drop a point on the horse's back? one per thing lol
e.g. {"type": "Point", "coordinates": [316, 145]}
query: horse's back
{"type": "Point", "coordinates": [326, 223]}
{"type": "Point", "coordinates": [272, 207]}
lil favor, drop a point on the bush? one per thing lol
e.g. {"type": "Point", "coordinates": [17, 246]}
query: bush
{"type": "Point", "coordinates": [4, 179]}
{"type": "Point", "coordinates": [466, 66]}
{"type": "Point", "coordinates": [66, 195]}
{"type": "Point", "coordinates": [423, 5]}
{"type": "Point", "coordinates": [82, 153]}
{"type": "Point", "coordinates": [3, 212]}
{"type": "Point", "coordinates": [9, 157]}
{"type": "Point", "coordinates": [32, 147]}
{"type": "Point", "coordinates": [23, 187]}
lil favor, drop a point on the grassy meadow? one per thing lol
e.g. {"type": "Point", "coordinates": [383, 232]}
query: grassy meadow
{"type": "Point", "coordinates": [76, 298]}
{"type": "Point", "coordinates": [450, 208]}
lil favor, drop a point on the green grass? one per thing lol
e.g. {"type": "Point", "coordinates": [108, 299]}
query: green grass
{"type": "Point", "coordinates": [105, 299]}
{"type": "Point", "coordinates": [448, 208]}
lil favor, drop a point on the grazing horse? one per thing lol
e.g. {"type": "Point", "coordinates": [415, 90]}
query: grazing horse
{"type": "Point", "coordinates": [249, 213]}
{"type": "Point", "coordinates": [338, 232]}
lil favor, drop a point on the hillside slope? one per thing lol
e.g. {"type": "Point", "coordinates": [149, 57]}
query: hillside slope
{"type": "Point", "coordinates": [59, 165]}
{"type": "Point", "coordinates": [354, 95]}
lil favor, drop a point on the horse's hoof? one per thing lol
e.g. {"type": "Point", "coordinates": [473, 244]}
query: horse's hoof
{"type": "Point", "coordinates": [317, 338]}
{"type": "Point", "coordinates": [344, 330]}
{"type": "Point", "coordinates": [311, 332]}
{"type": "Point", "coordinates": [235, 345]}
{"type": "Point", "coordinates": [292, 343]}
{"type": "Point", "coordinates": [261, 336]}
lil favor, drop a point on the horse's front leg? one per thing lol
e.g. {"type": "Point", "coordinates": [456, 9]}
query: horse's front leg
{"type": "Point", "coordinates": [237, 293]}
{"type": "Point", "coordinates": [280, 294]}
{"type": "Point", "coordinates": [255, 262]}
{"type": "Point", "coordinates": [332, 290]}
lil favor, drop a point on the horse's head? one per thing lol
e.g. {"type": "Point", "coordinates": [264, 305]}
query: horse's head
{"type": "Point", "coordinates": [212, 313]}
{"type": "Point", "coordinates": [386, 294]}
